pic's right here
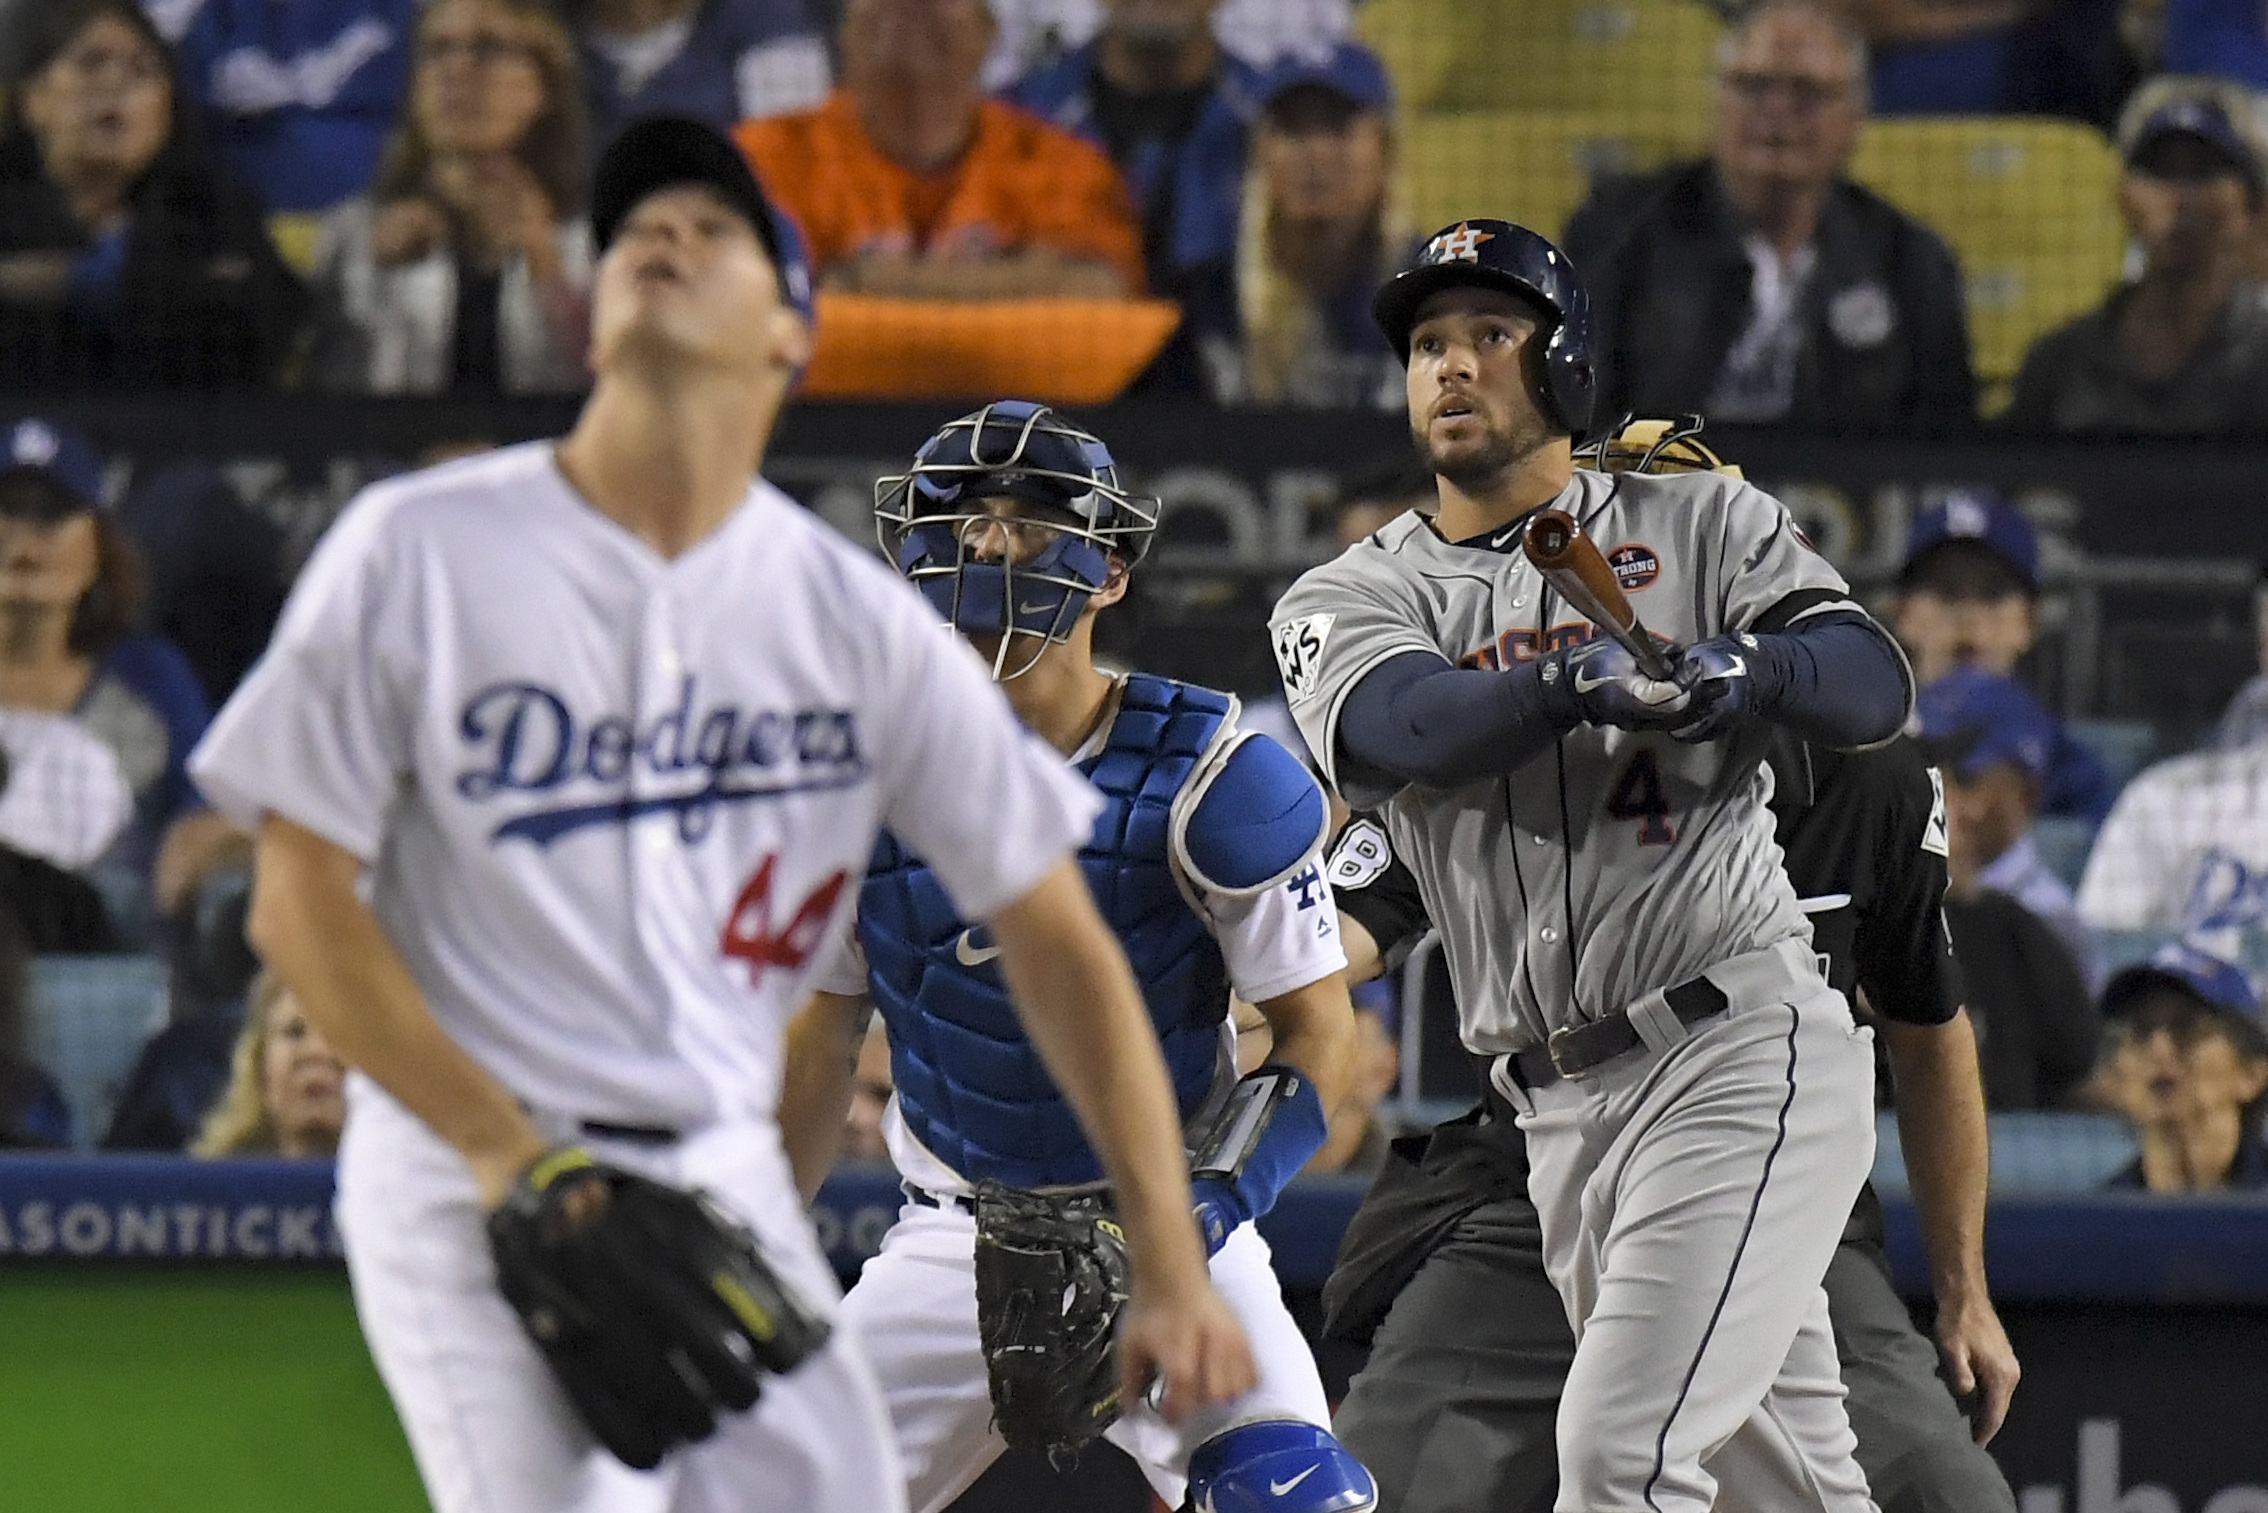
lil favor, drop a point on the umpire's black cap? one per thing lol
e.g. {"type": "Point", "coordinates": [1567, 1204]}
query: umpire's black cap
{"type": "Point", "coordinates": [660, 152]}
{"type": "Point", "coordinates": [1500, 255]}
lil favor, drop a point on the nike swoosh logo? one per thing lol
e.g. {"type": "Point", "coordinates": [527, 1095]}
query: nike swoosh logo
{"type": "Point", "coordinates": [1496, 542]}
{"type": "Point", "coordinates": [971, 955]}
{"type": "Point", "coordinates": [1279, 1488]}
{"type": "Point", "coordinates": [1034, 609]}
{"type": "Point", "coordinates": [1584, 684]}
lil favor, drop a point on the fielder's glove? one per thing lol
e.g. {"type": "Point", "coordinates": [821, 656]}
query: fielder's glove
{"type": "Point", "coordinates": [1607, 688]}
{"type": "Point", "coordinates": [1051, 1280]}
{"type": "Point", "coordinates": [651, 1305]}
{"type": "Point", "coordinates": [1723, 695]}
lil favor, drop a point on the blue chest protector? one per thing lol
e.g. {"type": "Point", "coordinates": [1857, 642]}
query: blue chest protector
{"type": "Point", "coordinates": [970, 1086]}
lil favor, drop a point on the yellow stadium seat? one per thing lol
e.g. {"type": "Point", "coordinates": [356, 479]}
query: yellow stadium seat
{"type": "Point", "coordinates": [2029, 207]}
{"type": "Point", "coordinates": [1650, 61]}
{"type": "Point", "coordinates": [1533, 167]}
{"type": "Point", "coordinates": [296, 235]}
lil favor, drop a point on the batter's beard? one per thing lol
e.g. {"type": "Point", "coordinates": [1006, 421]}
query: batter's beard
{"type": "Point", "coordinates": [1474, 469]}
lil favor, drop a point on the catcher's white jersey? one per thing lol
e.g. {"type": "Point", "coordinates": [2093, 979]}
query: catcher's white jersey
{"type": "Point", "coordinates": [616, 806]}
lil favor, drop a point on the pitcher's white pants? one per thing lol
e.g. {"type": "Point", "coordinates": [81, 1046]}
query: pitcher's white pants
{"type": "Point", "coordinates": [491, 1429]}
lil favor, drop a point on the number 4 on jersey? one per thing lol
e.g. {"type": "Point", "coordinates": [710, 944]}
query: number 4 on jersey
{"type": "Point", "coordinates": [749, 934]}
{"type": "Point", "coordinates": [1637, 795]}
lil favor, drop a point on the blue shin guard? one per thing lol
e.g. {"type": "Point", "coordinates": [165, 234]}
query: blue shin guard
{"type": "Point", "coordinates": [1281, 1466]}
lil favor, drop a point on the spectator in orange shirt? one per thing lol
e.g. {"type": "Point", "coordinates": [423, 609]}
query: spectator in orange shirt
{"type": "Point", "coordinates": [908, 181]}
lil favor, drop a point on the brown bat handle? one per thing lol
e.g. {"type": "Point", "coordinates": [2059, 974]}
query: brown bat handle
{"type": "Point", "coordinates": [1573, 564]}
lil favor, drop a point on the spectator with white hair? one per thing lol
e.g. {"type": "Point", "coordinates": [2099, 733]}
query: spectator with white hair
{"type": "Point", "coordinates": [2182, 350]}
{"type": "Point", "coordinates": [1760, 283]}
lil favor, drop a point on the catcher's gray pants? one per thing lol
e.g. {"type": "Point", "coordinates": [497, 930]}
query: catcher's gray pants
{"type": "Point", "coordinates": [1691, 1195]}
{"type": "Point", "coordinates": [914, 1306]}
{"type": "Point", "coordinates": [490, 1427]}
{"type": "Point", "coordinates": [1455, 1410]}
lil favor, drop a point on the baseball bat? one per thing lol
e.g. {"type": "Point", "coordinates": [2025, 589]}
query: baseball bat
{"type": "Point", "coordinates": [1572, 563]}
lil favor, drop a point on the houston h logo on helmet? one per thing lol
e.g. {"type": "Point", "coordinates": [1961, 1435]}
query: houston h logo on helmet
{"type": "Point", "coordinates": [1497, 255]}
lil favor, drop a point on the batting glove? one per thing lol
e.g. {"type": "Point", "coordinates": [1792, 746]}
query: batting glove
{"type": "Point", "coordinates": [1723, 695]}
{"type": "Point", "coordinates": [1608, 689]}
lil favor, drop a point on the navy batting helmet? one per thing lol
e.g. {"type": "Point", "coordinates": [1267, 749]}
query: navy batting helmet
{"type": "Point", "coordinates": [929, 517]}
{"type": "Point", "coordinates": [1500, 255]}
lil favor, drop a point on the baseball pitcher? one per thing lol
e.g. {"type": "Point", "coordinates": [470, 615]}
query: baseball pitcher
{"type": "Point", "coordinates": [565, 761]}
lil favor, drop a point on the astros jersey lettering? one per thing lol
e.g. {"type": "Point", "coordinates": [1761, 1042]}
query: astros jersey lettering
{"type": "Point", "coordinates": [1615, 862]}
{"type": "Point", "coordinates": [616, 805]}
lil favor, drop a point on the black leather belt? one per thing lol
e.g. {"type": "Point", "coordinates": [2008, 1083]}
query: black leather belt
{"type": "Point", "coordinates": [1581, 1048]}
{"type": "Point", "coordinates": [630, 1134]}
{"type": "Point", "coordinates": [928, 1199]}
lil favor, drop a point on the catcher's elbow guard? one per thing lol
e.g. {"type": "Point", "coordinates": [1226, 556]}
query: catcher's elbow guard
{"type": "Point", "coordinates": [1271, 1124]}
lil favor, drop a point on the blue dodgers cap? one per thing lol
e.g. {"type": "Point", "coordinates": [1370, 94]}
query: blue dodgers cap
{"type": "Point", "coordinates": [44, 449]}
{"type": "Point", "coordinates": [1346, 69]}
{"type": "Point", "coordinates": [2219, 983]}
{"type": "Point", "coordinates": [1982, 516]}
{"type": "Point", "coordinates": [2204, 120]}
{"type": "Point", "coordinates": [1972, 720]}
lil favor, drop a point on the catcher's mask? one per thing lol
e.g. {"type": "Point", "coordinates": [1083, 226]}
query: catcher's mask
{"type": "Point", "coordinates": [935, 523]}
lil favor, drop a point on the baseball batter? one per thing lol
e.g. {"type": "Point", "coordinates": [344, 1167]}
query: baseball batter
{"type": "Point", "coordinates": [1013, 522]}
{"type": "Point", "coordinates": [1596, 848]}
{"type": "Point", "coordinates": [565, 761]}
{"type": "Point", "coordinates": [1441, 1273]}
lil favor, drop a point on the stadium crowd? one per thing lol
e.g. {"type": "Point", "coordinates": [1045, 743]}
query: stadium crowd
{"type": "Point", "coordinates": [387, 197]}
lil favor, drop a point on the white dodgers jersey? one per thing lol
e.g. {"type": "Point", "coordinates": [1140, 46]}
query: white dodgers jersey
{"type": "Point", "coordinates": [616, 806]}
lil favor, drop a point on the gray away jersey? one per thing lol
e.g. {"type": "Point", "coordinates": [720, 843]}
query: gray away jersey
{"type": "Point", "coordinates": [1615, 862]}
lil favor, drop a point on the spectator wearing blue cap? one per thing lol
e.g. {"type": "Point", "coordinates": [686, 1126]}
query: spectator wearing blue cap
{"type": "Point", "coordinates": [2182, 350]}
{"type": "Point", "coordinates": [2187, 1064]}
{"type": "Point", "coordinates": [2035, 1019]}
{"type": "Point", "coordinates": [70, 591]}
{"type": "Point", "coordinates": [1285, 318]}
{"type": "Point", "coordinates": [1992, 742]}
{"type": "Point", "coordinates": [1969, 596]}
{"type": "Point", "coordinates": [1173, 108]}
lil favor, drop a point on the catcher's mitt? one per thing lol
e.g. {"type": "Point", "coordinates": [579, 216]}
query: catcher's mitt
{"type": "Point", "coordinates": [651, 1304]}
{"type": "Point", "coordinates": [1051, 1277]}
{"type": "Point", "coordinates": [1654, 446]}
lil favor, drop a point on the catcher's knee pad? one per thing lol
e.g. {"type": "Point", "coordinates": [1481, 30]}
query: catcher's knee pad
{"type": "Point", "coordinates": [1281, 1466]}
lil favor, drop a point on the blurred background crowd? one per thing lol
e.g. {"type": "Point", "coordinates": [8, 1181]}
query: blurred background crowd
{"type": "Point", "coordinates": [1974, 222]}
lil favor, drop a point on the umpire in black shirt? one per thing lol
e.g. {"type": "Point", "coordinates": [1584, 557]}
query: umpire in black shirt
{"type": "Point", "coordinates": [1441, 1273]}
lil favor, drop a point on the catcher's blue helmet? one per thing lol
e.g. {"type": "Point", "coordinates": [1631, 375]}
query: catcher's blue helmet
{"type": "Point", "coordinates": [930, 519]}
{"type": "Point", "coordinates": [1500, 255]}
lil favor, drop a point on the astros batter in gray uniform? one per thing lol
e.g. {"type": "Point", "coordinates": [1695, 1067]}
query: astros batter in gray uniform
{"type": "Point", "coordinates": [1596, 849]}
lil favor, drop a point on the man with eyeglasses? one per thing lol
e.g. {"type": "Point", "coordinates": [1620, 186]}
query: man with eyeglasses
{"type": "Point", "coordinates": [1760, 285]}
